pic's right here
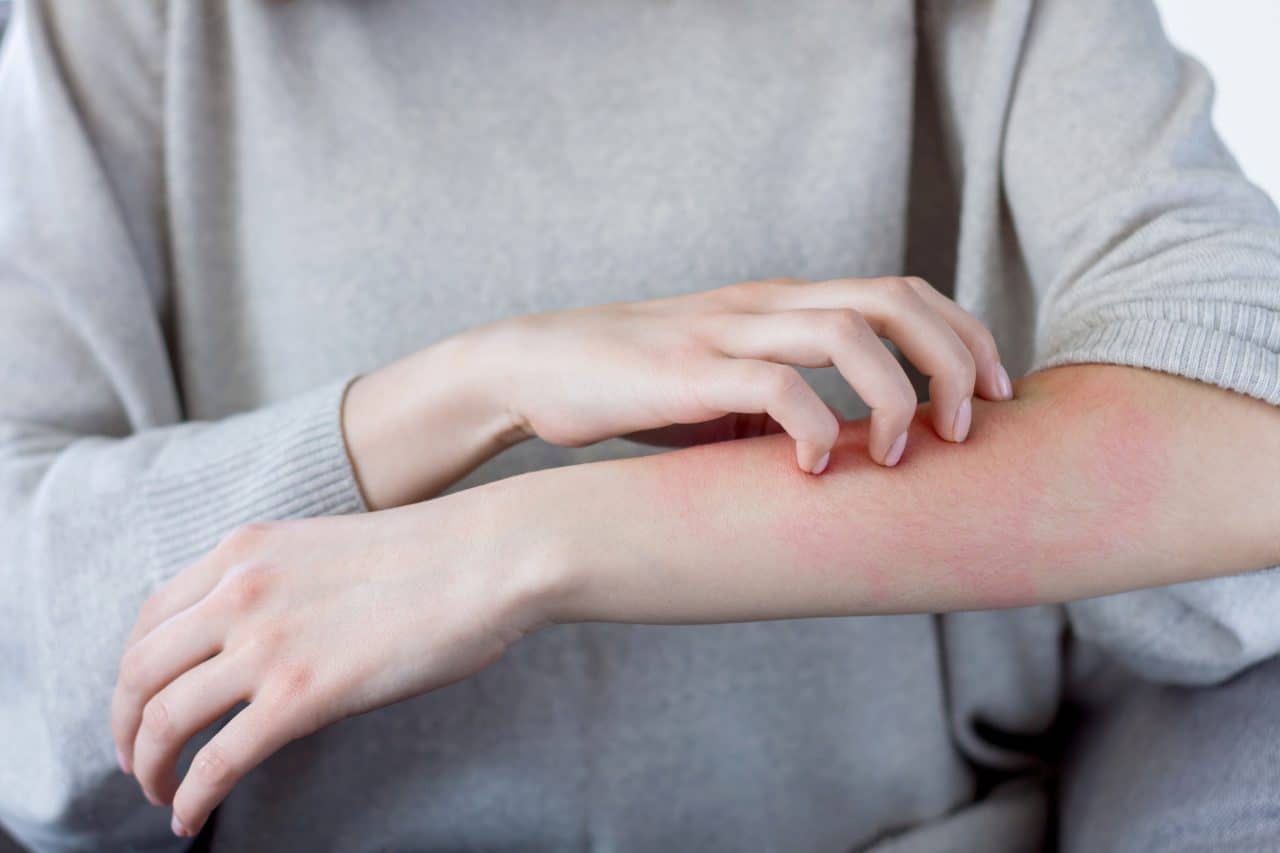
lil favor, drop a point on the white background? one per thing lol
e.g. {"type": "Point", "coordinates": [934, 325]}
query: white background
{"type": "Point", "coordinates": [1239, 42]}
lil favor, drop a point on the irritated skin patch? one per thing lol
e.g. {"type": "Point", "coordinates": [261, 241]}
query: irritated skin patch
{"type": "Point", "coordinates": [1031, 508]}
{"type": "Point", "coordinates": [940, 530]}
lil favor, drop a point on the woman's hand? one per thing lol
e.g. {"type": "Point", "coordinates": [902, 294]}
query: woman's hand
{"type": "Point", "coordinates": [682, 370]}
{"type": "Point", "coordinates": [580, 376]}
{"type": "Point", "coordinates": [309, 622]}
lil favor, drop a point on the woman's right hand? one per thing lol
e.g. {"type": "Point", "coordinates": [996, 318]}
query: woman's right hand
{"type": "Point", "coordinates": [579, 376]}
{"type": "Point", "coordinates": [576, 377]}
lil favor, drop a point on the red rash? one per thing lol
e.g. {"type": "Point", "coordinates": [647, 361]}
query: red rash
{"type": "Point", "coordinates": [1044, 490]}
{"type": "Point", "coordinates": [907, 529]}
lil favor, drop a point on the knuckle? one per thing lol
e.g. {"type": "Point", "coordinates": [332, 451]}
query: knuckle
{"type": "Point", "coordinates": [157, 722]}
{"type": "Point", "coordinates": [830, 431]}
{"type": "Point", "coordinates": [905, 400]}
{"type": "Point", "coordinates": [211, 768]}
{"type": "Point", "coordinates": [263, 644]}
{"type": "Point", "coordinates": [133, 668]}
{"type": "Point", "coordinates": [909, 299]}
{"type": "Point", "coordinates": [916, 283]}
{"type": "Point", "coordinates": [846, 324]}
{"type": "Point", "coordinates": [246, 587]}
{"type": "Point", "coordinates": [961, 368]}
{"type": "Point", "coordinates": [783, 382]}
{"type": "Point", "coordinates": [899, 288]}
{"type": "Point", "coordinates": [247, 539]}
{"type": "Point", "coordinates": [153, 608]}
{"type": "Point", "coordinates": [752, 293]}
{"type": "Point", "coordinates": [984, 345]}
{"type": "Point", "coordinates": [293, 681]}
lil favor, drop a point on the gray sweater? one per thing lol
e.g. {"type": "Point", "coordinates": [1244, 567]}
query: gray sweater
{"type": "Point", "coordinates": [214, 215]}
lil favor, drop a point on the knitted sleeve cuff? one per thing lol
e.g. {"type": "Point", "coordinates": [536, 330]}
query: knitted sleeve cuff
{"type": "Point", "coordinates": [287, 460]}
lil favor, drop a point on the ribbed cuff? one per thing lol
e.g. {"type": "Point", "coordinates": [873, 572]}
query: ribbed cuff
{"type": "Point", "coordinates": [1240, 353]}
{"type": "Point", "coordinates": [288, 460]}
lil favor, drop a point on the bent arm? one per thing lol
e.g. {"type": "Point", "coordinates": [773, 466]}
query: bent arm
{"type": "Point", "coordinates": [1142, 244]}
{"type": "Point", "coordinates": [1096, 479]}
{"type": "Point", "coordinates": [104, 490]}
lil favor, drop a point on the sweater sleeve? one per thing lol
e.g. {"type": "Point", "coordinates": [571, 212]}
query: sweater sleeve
{"type": "Point", "coordinates": [1150, 246]}
{"type": "Point", "coordinates": [104, 490]}
{"type": "Point", "coordinates": [1145, 246]}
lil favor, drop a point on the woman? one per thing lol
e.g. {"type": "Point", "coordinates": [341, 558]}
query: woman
{"type": "Point", "coordinates": [276, 276]}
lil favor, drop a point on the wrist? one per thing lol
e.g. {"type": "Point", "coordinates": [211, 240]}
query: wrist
{"type": "Point", "coordinates": [482, 359]}
{"type": "Point", "coordinates": [418, 424]}
{"type": "Point", "coordinates": [526, 517]}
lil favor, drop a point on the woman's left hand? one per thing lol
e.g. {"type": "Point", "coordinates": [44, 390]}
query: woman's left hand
{"type": "Point", "coordinates": [312, 621]}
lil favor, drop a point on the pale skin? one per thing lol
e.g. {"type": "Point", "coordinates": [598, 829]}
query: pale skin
{"type": "Point", "coordinates": [1093, 480]}
{"type": "Point", "coordinates": [673, 371]}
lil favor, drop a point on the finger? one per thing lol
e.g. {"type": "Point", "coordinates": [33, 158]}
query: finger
{"type": "Point", "coordinates": [993, 380]}
{"type": "Point", "coordinates": [896, 311]}
{"type": "Point", "coordinates": [766, 295]}
{"type": "Point", "coordinates": [747, 386]}
{"type": "Point", "coordinates": [181, 642]}
{"type": "Point", "coordinates": [177, 713]}
{"type": "Point", "coordinates": [899, 313]}
{"type": "Point", "coordinates": [193, 583]}
{"type": "Point", "coordinates": [817, 338]}
{"type": "Point", "coordinates": [263, 727]}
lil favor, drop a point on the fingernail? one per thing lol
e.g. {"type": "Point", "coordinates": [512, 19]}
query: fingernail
{"type": "Point", "coordinates": [964, 417]}
{"type": "Point", "coordinates": [895, 450]}
{"type": "Point", "coordinates": [178, 828]}
{"type": "Point", "coordinates": [1003, 383]}
{"type": "Point", "coordinates": [120, 759]}
{"type": "Point", "coordinates": [822, 463]}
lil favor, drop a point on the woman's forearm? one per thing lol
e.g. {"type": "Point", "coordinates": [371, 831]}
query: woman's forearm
{"type": "Point", "coordinates": [1095, 480]}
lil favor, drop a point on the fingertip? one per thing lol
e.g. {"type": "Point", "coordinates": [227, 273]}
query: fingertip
{"type": "Point", "coordinates": [809, 456]}
{"type": "Point", "coordinates": [801, 461]}
{"type": "Point", "coordinates": [894, 454]}
{"type": "Point", "coordinates": [822, 463]}
{"type": "Point", "coordinates": [123, 761]}
{"type": "Point", "coordinates": [178, 827]}
{"type": "Point", "coordinates": [1004, 387]}
{"type": "Point", "coordinates": [963, 420]}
